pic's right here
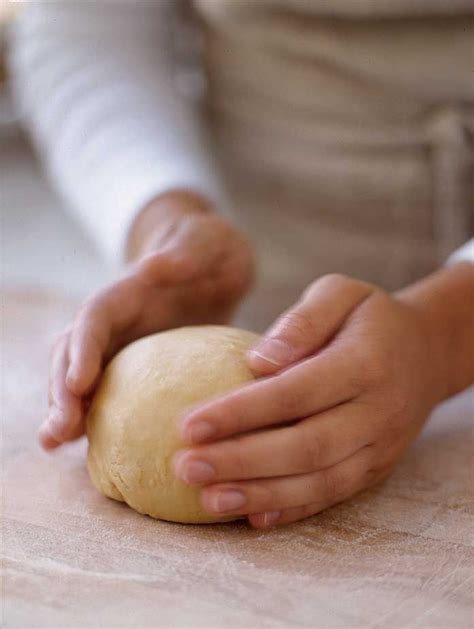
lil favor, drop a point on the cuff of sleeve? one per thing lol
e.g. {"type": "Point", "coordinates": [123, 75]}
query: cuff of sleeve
{"type": "Point", "coordinates": [463, 254]}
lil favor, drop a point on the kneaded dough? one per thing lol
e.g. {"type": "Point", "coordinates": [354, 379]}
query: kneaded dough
{"type": "Point", "coordinates": [133, 419]}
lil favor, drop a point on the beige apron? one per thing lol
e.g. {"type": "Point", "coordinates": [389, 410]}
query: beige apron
{"type": "Point", "coordinates": [346, 137]}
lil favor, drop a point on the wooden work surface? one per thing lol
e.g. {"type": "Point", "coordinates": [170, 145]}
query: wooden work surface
{"type": "Point", "coordinates": [397, 556]}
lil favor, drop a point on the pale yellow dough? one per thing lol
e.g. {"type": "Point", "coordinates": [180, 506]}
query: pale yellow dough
{"type": "Point", "coordinates": [132, 422]}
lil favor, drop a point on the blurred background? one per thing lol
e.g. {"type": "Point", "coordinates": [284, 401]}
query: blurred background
{"type": "Point", "coordinates": [41, 244]}
{"type": "Point", "coordinates": [361, 164]}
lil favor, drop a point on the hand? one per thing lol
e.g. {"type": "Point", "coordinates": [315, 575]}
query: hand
{"type": "Point", "coordinates": [350, 379]}
{"type": "Point", "coordinates": [193, 267]}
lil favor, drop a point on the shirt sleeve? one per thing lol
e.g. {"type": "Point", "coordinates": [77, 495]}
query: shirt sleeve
{"type": "Point", "coordinates": [463, 254]}
{"type": "Point", "coordinates": [96, 87]}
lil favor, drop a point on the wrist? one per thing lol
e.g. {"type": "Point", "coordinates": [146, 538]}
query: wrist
{"type": "Point", "coordinates": [169, 206]}
{"type": "Point", "coordinates": [443, 303]}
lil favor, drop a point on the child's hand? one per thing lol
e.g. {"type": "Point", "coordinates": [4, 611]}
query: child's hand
{"type": "Point", "coordinates": [354, 381]}
{"type": "Point", "coordinates": [193, 267]}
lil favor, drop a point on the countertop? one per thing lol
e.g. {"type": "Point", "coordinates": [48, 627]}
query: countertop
{"type": "Point", "coordinates": [400, 555]}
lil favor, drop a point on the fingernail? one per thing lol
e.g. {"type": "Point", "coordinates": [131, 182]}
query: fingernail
{"type": "Point", "coordinates": [271, 517]}
{"type": "Point", "coordinates": [199, 432]}
{"type": "Point", "coordinates": [273, 351]}
{"type": "Point", "coordinates": [229, 500]}
{"type": "Point", "coordinates": [194, 471]}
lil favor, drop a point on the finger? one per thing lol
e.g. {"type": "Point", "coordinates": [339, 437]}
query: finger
{"type": "Point", "coordinates": [102, 318]}
{"type": "Point", "coordinates": [294, 514]}
{"type": "Point", "coordinates": [312, 444]}
{"type": "Point", "coordinates": [90, 336]}
{"type": "Point", "coordinates": [53, 432]}
{"type": "Point", "coordinates": [47, 441]}
{"type": "Point", "coordinates": [307, 326]}
{"type": "Point", "coordinates": [59, 362]}
{"type": "Point", "coordinates": [324, 488]}
{"type": "Point", "coordinates": [308, 388]}
{"type": "Point", "coordinates": [286, 516]}
{"type": "Point", "coordinates": [65, 417]}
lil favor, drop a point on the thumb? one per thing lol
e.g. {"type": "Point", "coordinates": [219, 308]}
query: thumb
{"type": "Point", "coordinates": [188, 251]}
{"type": "Point", "coordinates": [309, 324]}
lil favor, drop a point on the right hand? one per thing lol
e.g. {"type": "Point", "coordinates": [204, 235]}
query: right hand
{"type": "Point", "coordinates": [189, 266]}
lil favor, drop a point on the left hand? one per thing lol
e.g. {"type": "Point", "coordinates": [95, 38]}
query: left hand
{"type": "Point", "coordinates": [189, 266]}
{"type": "Point", "coordinates": [349, 383]}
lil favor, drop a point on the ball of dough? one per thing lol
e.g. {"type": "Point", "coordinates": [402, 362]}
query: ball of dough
{"type": "Point", "coordinates": [132, 422]}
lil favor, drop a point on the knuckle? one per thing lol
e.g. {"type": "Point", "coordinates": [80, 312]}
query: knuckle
{"type": "Point", "coordinates": [297, 325]}
{"type": "Point", "coordinates": [311, 290]}
{"type": "Point", "coordinates": [235, 460]}
{"type": "Point", "coordinates": [338, 282]}
{"type": "Point", "coordinates": [101, 299]}
{"type": "Point", "coordinates": [86, 311]}
{"type": "Point", "coordinates": [334, 281]}
{"type": "Point", "coordinates": [335, 485]}
{"type": "Point", "coordinates": [265, 496]}
{"type": "Point", "coordinates": [312, 448]}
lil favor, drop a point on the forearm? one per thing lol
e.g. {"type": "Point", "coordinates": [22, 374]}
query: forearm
{"type": "Point", "coordinates": [445, 303]}
{"type": "Point", "coordinates": [97, 87]}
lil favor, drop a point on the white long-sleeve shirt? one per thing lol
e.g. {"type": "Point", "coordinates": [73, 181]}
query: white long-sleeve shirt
{"type": "Point", "coordinates": [96, 84]}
